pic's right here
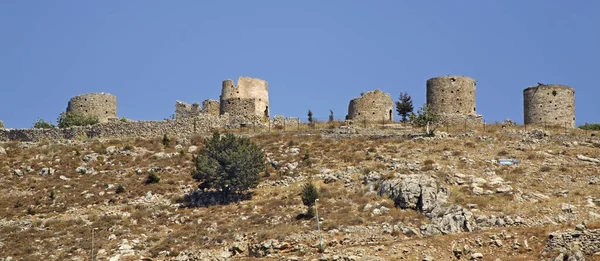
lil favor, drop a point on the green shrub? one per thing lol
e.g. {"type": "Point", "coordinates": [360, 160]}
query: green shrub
{"type": "Point", "coordinates": [52, 195]}
{"type": "Point", "coordinates": [70, 119]}
{"type": "Point", "coordinates": [423, 116]}
{"type": "Point", "coordinates": [590, 126]}
{"type": "Point", "coordinates": [123, 119]}
{"type": "Point", "coordinates": [152, 178]}
{"type": "Point", "coordinates": [310, 194]}
{"type": "Point", "coordinates": [121, 189]}
{"type": "Point", "coordinates": [42, 124]}
{"type": "Point", "coordinates": [166, 141]}
{"type": "Point", "coordinates": [229, 163]}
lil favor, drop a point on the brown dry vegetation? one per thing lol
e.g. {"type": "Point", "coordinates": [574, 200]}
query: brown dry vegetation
{"type": "Point", "coordinates": [61, 227]}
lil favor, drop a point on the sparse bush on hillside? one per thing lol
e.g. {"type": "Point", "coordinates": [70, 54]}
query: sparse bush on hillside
{"type": "Point", "coordinates": [166, 141]}
{"type": "Point", "coordinates": [152, 178]}
{"type": "Point", "coordinates": [70, 119]}
{"type": "Point", "coordinates": [229, 163]}
{"type": "Point", "coordinates": [120, 189]}
{"type": "Point", "coordinates": [42, 124]}
{"type": "Point", "coordinates": [423, 116]}
{"type": "Point", "coordinates": [590, 126]}
{"type": "Point", "coordinates": [310, 194]}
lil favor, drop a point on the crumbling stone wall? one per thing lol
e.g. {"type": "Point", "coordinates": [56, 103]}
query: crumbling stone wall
{"type": "Point", "coordinates": [588, 240]}
{"type": "Point", "coordinates": [249, 97]}
{"type": "Point", "coordinates": [184, 110]}
{"type": "Point", "coordinates": [549, 104]}
{"type": "Point", "coordinates": [211, 107]}
{"type": "Point", "coordinates": [285, 122]}
{"type": "Point", "coordinates": [201, 124]}
{"type": "Point", "coordinates": [1, 125]}
{"type": "Point", "coordinates": [451, 95]}
{"type": "Point", "coordinates": [373, 106]}
{"type": "Point", "coordinates": [101, 105]}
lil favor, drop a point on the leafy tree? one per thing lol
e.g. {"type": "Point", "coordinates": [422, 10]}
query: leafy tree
{"type": "Point", "coordinates": [69, 119]}
{"type": "Point", "coordinates": [42, 124]}
{"type": "Point", "coordinates": [229, 163]}
{"type": "Point", "coordinates": [404, 106]}
{"type": "Point", "coordinates": [310, 194]}
{"type": "Point", "coordinates": [331, 116]}
{"type": "Point", "coordinates": [423, 116]}
{"type": "Point", "coordinates": [310, 116]}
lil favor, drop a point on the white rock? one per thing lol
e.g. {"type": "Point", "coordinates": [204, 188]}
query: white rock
{"type": "Point", "coordinates": [192, 149]}
{"type": "Point", "coordinates": [504, 189]}
{"type": "Point", "coordinates": [111, 150]}
{"type": "Point", "coordinates": [178, 147]}
{"type": "Point", "coordinates": [476, 255]}
{"type": "Point", "coordinates": [64, 178]}
{"type": "Point", "coordinates": [2, 151]}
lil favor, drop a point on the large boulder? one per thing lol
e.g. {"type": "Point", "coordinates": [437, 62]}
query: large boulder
{"type": "Point", "coordinates": [419, 192]}
{"type": "Point", "coordinates": [422, 193]}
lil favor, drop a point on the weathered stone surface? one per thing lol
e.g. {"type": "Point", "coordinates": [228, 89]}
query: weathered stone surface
{"type": "Point", "coordinates": [373, 106]}
{"type": "Point", "coordinates": [419, 192]}
{"type": "Point", "coordinates": [588, 241]}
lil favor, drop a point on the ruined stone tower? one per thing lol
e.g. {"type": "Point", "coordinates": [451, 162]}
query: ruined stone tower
{"type": "Point", "coordinates": [453, 98]}
{"type": "Point", "coordinates": [249, 98]}
{"type": "Point", "coordinates": [549, 104]}
{"type": "Point", "coordinates": [101, 105]}
{"type": "Point", "coordinates": [373, 106]}
{"type": "Point", "coordinates": [184, 110]}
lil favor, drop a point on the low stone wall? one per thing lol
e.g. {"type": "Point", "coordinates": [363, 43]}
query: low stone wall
{"type": "Point", "coordinates": [202, 124]}
{"type": "Point", "coordinates": [461, 119]}
{"type": "Point", "coordinates": [279, 120]}
{"type": "Point", "coordinates": [588, 241]}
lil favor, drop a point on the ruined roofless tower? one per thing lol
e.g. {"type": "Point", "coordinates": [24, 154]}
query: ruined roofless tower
{"type": "Point", "coordinates": [250, 97]}
{"type": "Point", "coordinates": [451, 95]}
{"type": "Point", "coordinates": [373, 106]}
{"type": "Point", "coordinates": [549, 104]}
{"type": "Point", "coordinates": [101, 105]}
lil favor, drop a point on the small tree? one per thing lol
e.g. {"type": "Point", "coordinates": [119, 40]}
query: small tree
{"type": "Point", "coordinates": [166, 141]}
{"type": "Point", "coordinates": [120, 189]}
{"type": "Point", "coordinates": [310, 116]}
{"type": "Point", "coordinates": [404, 106]}
{"type": "Point", "coordinates": [69, 119]}
{"type": "Point", "coordinates": [331, 116]}
{"type": "Point", "coordinates": [424, 116]}
{"type": "Point", "coordinates": [310, 194]}
{"type": "Point", "coordinates": [42, 124]}
{"type": "Point", "coordinates": [229, 163]}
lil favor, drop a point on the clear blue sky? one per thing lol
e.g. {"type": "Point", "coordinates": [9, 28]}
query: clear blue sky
{"type": "Point", "coordinates": [315, 54]}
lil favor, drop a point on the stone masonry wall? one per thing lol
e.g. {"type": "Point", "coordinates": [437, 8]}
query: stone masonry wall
{"type": "Point", "coordinates": [563, 241]}
{"type": "Point", "coordinates": [202, 124]}
{"type": "Point", "coordinates": [247, 89]}
{"type": "Point", "coordinates": [101, 105]}
{"type": "Point", "coordinates": [373, 106]}
{"type": "Point", "coordinates": [551, 105]}
{"type": "Point", "coordinates": [1, 125]}
{"type": "Point", "coordinates": [211, 107]}
{"type": "Point", "coordinates": [451, 95]}
{"type": "Point", "coordinates": [184, 110]}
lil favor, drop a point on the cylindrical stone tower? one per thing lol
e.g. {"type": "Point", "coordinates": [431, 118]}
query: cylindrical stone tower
{"type": "Point", "coordinates": [101, 105]}
{"type": "Point", "coordinates": [451, 95]}
{"type": "Point", "coordinates": [373, 106]}
{"type": "Point", "coordinates": [550, 105]}
{"type": "Point", "coordinates": [249, 97]}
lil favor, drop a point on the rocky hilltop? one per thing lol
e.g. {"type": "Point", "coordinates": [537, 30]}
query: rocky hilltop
{"type": "Point", "coordinates": [503, 194]}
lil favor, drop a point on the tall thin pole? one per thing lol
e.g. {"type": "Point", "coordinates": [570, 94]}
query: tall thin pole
{"type": "Point", "coordinates": [318, 224]}
{"type": "Point", "coordinates": [92, 244]}
{"type": "Point", "coordinates": [569, 198]}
